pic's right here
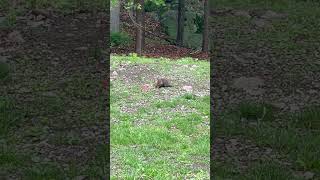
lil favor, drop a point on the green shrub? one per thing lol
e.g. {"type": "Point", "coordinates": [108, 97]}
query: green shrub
{"type": "Point", "coordinates": [255, 111]}
{"type": "Point", "coordinates": [199, 22]}
{"type": "Point", "coordinates": [153, 6]}
{"type": "Point", "coordinates": [119, 38]}
{"type": "Point", "coordinates": [4, 4]}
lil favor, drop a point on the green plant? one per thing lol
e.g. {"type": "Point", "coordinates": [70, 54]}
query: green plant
{"type": "Point", "coordinates": [199, 22]}
{"type": "Point", "coordinates": [153, 6]}
{"type": "Point", "coordinates": [4, 4]}
{"type": "Point", "coordinates": [10, 19]}
{"type": "Point", "coordinates": [189, 96]}
{"type": "Point", "coordinates": [310, 118]}
{"type": "Point", "coordinates": [4, 70]}
{"type": "Point", "coordinates": [151, 140]}
{"type": "Point", "coordinates": [269, 170]}
{"type": "Point", "coordinates": [7, 116]}
{"type": "Point", "coordinates": [253, 111]}
{"type": "Point", "coordinates": [119, 38]}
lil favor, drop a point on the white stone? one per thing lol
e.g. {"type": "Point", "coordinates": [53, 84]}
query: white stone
{"type": "Point", "coordinates": [15, 36]}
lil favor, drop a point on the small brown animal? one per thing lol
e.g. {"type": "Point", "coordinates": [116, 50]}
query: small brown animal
{"type": "Point", "coordinates": [162, 82]}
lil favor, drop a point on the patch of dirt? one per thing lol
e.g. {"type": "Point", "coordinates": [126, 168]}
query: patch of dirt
{"type": "Point", "coordinates": [141, 74]}
{"type": "Point", "coordinates": [58, 58]}
{"type": "Point", "coordinates": [137, 74]}
{"type": "Point", "coordinates": [242, 152]}
{"type": "Point", "coordinates": [284, 81]}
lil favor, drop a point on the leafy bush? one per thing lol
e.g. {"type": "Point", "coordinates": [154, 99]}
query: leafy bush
{"type": "Point", "coordinates": [4, 4]}
{"type": "Point", "coordinates": [119, 38]}
{"type": "Point", "coordinates": [199, 22]}
{"type": "Point", "coordinates": [151, 6]}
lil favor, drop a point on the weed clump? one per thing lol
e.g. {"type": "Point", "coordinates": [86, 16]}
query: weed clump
{"type": "Point", "coordinates": [4, 70]}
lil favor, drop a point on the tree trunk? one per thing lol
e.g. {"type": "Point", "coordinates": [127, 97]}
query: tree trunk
{"type": "Point", "coordinates": [143, 25]}
{"type": "Point", "coordinates": [115, 17]}
{"type": "Point", "coordinates": [205, 35]}
{"type": "Point", "coordinates": [139, 27]}
{"type": "Point", "coordinates": [180, 27]}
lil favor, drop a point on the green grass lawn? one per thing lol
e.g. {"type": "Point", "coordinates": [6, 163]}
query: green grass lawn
{"type": "Point", "coordinates": [162, 133]}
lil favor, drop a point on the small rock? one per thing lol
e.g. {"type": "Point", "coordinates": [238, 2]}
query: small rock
{"type": "Point", "coordinates": [313, 91]}
{"type": "Point", "coordinates": [279, 105]}
{"type": "Point", "coordinates": [242, 13]}
{"type": "Point", "coordinates": [3, 59]}
{"type": "Point", "coordinates": [221, 11]}
{"type": "Point", "coordinates": [224, 88]}
{"type": "Point", "coordinates": [49, 94]}
{"type": "Point", "coordinates": [98, 23]}
{"type": "Point", "coordinates": [40, 17]}
{"type": "Point", "coordinates": [22, 18]}
{"type": "Point", "coordinates": [294, 108]}
{"type": "Point", "coordinates": [308, 175]}
{"type": "Point", "coordinates": [82, 16]}
{"type": "Point", "coordinates": [35, 24]}
{"type": "Point", "coordinates": [69, 34]}
{"type": "Point", "coordinates": [187, 88]}
{"type": "Point", "coordinates": [15, 36]}
{"type": "Point", "coordinates": [114, 73]}
{"type": "Point", "coordinates": [240, 59]}
{"type": "Point", "coordinates": [81, 48]}
{"type": "Point", "coordinates": [251, 85]}
{"type": "Point", "coordinates": [24, 90]}
{"type": "Point", "coordinates": [55, 63]}
{"type": "Point", "coordinates": [234, 142]}
{"type": "Point", "coordinates": [272, 15]}
{"type": "Point", "coordinates": [35, 159]}
{"type": "Point", "coordinates": [268, 151]}
{"type": "Point", "coordinates": [2, 20]}
{"type": "Point", "coordinates": [80, 177]}
{"type": "Point", "coordinates": [260, 23]}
